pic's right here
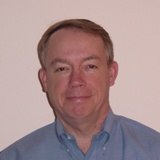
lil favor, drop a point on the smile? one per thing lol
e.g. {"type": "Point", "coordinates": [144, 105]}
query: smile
{"type": "Point", "coordinates": [78, 99]}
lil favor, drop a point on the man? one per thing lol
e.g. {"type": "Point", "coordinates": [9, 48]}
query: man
{"type": "Point", "coordinates": [77, 71]}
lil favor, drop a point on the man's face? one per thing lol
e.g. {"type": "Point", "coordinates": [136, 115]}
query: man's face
{"type": "Point", "coordinates": [77, 77]}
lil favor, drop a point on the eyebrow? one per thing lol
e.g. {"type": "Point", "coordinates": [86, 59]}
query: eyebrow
{"type": "Point", "coordinates": [91, 58]}
{"type": "Point", "coordinates": [60, 60]}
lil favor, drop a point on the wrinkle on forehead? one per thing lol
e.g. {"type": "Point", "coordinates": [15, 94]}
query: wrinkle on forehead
{"type": "Point", "coordinates": [66, 41]}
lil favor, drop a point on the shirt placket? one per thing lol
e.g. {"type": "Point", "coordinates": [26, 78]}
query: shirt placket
{"type": "Point", "coordinates": [71, 147]}
{"type": "Point", "coordinates": [98, 147]}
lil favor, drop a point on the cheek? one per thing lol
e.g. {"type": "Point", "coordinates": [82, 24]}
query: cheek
{"type": "Point", "coordinates": [56, 92]}
{"type": "Point", "coordinates": [101, 81]}
{"type": "Point", "coordinates": [56, 86]}
{"type": "Point", "coordinates": [101, 85]}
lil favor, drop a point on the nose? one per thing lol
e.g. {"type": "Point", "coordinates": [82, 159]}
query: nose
{"type": "Point", "coordinates": [76, 79]}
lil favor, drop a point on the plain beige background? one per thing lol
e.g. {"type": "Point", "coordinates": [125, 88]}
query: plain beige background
{"type": "Point", "coordinates": [134, 27]}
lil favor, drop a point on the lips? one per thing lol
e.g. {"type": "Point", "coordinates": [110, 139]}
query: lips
{"type": "Point", "coordinates": [78, 99]}
{"type": "Point", "coordinates": [78, 95]}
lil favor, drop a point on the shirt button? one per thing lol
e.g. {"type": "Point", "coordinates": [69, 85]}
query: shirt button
{"type": "Point", "coordinates": [104, 148]}
{"type": "Point", "coordinates": [69, 137]}
{"type": "Point", "coordinates": [67, 150]}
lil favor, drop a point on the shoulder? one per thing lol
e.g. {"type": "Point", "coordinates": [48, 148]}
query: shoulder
{"type": "Point", "coordinates": [35, 142]}
{"type": "Point", "coordinates": [139, 134]}
{"type": "Point", "coordinates": [136, 128]}
{"type": "Point", "coordinates": [36, 136]}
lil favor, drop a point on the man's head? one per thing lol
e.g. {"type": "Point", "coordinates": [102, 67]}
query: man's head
{"type": "Point", "coordinates": [77, 70]}
{"type": "Point", "coordinates": [82, 24]}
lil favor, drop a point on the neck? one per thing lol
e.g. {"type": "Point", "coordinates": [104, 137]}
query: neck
{"type": "Point", "coordinates": [84, 129]}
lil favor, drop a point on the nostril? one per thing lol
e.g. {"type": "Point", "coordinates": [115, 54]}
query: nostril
{"type": "Point", "coordinates": [76, 82]}
{"type": "Point", "coordinates": [79, 83]}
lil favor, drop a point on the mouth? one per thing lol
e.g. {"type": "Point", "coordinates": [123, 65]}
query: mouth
{"type": "Point", "coordinates": [78, 99]}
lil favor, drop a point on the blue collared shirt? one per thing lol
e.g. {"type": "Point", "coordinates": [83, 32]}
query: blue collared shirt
{"type": "Point", "coordinates": [119, 139]}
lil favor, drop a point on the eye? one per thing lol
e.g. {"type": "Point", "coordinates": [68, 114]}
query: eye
{"type": "Point", "coordinates": [61, 69]}
{"type": "Point", "coordinates": [91, 66]}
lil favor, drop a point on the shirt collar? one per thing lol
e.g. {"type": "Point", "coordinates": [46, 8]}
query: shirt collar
{"type": "Point", "coordinates": [107, 125]}
{"type": "Point", "coordinates": [59, 128]}
{"type": "Point", "coordinates": [109, 122]}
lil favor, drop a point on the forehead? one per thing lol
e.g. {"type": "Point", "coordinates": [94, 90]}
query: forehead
{"type": "Point", "coordinates": [74, 45]}
{"type": "Point", "coordinates": [74, 36]}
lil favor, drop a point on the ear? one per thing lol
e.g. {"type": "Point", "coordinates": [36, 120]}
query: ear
{"type": "Point", "coordinates": [43, 79]}
{"type": "Point", "coordinates": [113, 72]}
